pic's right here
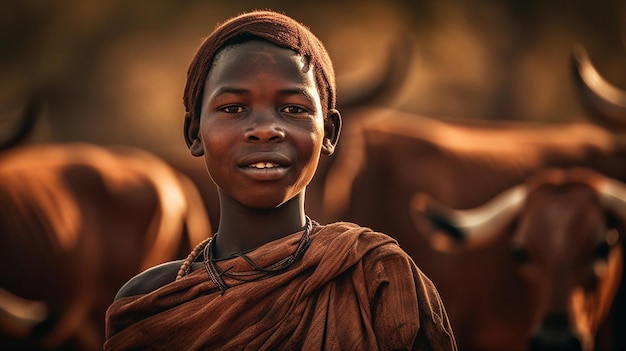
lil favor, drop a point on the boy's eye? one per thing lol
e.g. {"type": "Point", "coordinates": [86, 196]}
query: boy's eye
{"type": "Point", "coordinates": [232, 109]}
{"type": "Point", "coordinates": [293, 109]}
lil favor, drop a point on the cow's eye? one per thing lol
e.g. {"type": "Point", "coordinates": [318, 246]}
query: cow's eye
{"type": "Point", "coordinates": [602, 251]}
{"type": "Point", "coordinates": [520, 254]}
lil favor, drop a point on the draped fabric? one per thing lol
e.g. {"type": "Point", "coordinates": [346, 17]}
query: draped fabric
{"type": "Point", "coordinates": [354, 289]}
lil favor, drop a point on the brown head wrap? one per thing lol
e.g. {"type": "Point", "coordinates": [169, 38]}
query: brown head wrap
{"type": "Point", "coordinates": [274, 27]}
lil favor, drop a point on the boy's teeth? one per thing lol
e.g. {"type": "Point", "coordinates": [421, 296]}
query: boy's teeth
{"type": "Point", "coordinates": [263, 165]}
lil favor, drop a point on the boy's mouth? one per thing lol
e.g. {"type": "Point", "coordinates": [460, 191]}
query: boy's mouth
{"type": "Point", "coordinates": [265, 171]}
{"type": "Point", "coordinates": [264, 165]}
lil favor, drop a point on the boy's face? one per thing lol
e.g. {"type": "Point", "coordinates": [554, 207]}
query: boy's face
{"type": "Point", "coordinates": [262, 128]}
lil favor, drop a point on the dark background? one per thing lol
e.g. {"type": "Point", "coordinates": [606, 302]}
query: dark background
{"type": "Point", "coordinates": [113, 71]}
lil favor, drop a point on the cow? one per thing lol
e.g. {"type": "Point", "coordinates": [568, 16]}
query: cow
{"type": "Point", "coordinates": [565, 231]}
{"type": "Point", "coordinates": [604, 101]}
{"type": "Point", "coordinates": [391, 155]}
{"type": "Point", "coordinates": [76, 221]}
{"type": "Point", "coordinates": [460, 163]}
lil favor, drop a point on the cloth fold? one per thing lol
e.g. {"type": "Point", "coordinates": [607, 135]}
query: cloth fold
{"type": "Point", "coordinates": [350, 291]}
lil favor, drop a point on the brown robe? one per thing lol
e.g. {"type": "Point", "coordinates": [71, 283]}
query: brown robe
{"type": "Point", "coordinates": [354, 289]}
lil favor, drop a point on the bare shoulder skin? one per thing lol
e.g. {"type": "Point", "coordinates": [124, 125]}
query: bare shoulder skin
{"type": "Point", "coordinates": [150, 280]}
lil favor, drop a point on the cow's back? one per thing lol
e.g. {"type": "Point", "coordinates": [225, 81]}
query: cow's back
{"type": "Point", "coordinates": [77, 221]}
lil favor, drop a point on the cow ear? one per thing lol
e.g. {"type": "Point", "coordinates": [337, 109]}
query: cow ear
{"type": "Point", "coordinates": [192, 137]}
{"type": "Point", "coordinates": [332, 129]}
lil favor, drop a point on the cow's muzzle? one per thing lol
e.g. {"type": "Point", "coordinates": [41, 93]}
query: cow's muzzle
{"type": "Point", "coordinates": [555, 334]}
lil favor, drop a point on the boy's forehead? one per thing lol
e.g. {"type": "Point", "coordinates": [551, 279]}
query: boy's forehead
{"type": "Point", "coordinates": [248, 64]}
{"type": "Point", "coordinates": [261, 55]}
{"type": "Point", "coordinates": [259, 50]}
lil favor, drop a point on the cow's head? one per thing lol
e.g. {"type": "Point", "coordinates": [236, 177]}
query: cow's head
{"type": "Point", "coordinates": [564, 229]}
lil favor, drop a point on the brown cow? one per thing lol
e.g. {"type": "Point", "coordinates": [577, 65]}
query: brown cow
{"type": "Point", "coordinates": [460, 164]}
{"type": "Point", "coordinates": [563, 227]}
{"type": "Point", "coordinates": [392, 155]}
{"type": "Point", "coordinates": [76, 222]}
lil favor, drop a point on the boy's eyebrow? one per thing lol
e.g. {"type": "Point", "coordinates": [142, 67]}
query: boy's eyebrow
{"type": "Point", "coordinates": [229, 90]}
{"type": "Point", "coordinates": [240, 91]}
{"type": "Point", "coordinates": [297, 91]}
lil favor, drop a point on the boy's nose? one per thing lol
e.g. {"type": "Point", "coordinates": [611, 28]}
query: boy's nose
{"type": "Point", "coordinates": [265, 128]}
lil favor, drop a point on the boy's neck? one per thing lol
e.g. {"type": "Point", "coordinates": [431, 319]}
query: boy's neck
{"type": "Point", "coordinates": [242, 229]}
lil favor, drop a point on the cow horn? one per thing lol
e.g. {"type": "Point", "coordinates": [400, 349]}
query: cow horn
{"type": "Point", "coordinates": [22, 314]}
{"type": "Point", "coordinates": [604, 100]}
{"type": "Point", "coordinates": [471, 227]}
{"type": "Point", "coordinates": [613, 196]}
{"type": "Point", "coordinates": [27, 121]}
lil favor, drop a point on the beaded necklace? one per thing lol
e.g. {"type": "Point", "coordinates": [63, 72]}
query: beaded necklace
{"type": "Point", "coordinates": [186, 266]}
{"type": "Point", "coordinates": [257, 273]}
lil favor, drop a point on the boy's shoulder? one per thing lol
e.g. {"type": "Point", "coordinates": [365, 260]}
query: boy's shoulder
{"type": "Point", "coordinates": [345, 226]}
{"type": "Point", "coordinates": [353, 233]}
{"type": "Point", "coordinates": [150, 279]}
{"type": "Point", "coordinates": [354, 229]}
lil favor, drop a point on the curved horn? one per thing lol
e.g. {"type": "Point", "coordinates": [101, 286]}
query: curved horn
{"type": "Point", "coordinates": [613, 196]}
{"type": "Point", "coordinates": [27, 122]}
{"type": "Point", "coordinates": [388, 83]}
{"type": "Point", "coordinates": [471, 227]}
{"type": "Point", "coordinates": [604, 99]}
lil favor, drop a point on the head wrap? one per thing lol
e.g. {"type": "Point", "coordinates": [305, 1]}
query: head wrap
{"type": "Point", "coordinates": [273, 27]}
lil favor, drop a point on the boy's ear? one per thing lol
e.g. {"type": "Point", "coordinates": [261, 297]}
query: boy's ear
{"type": "Point", "coordinates": [192, 138]}
{"type": "Point", "coordinates": [332, 129]}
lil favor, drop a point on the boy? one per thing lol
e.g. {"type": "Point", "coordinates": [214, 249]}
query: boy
{"type": "Point", "coordinates": [260, 102]}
